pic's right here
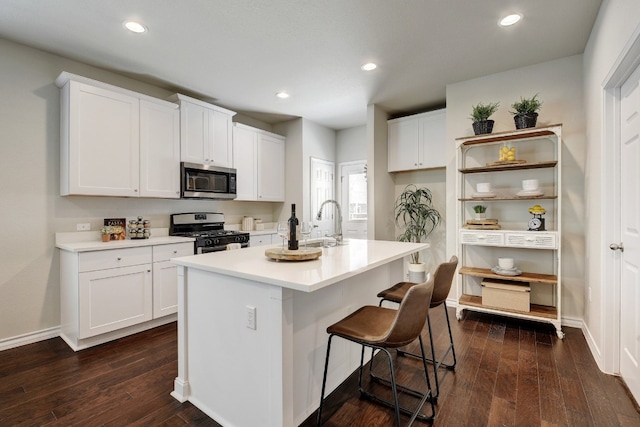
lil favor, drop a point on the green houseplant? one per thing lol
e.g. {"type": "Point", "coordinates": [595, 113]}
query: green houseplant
{"type": "Point", "coordinates": [525, 112]}
{"type": "Point", "coordinates": [417, 218]}
{"type": "Point", "coordinates": [480, 211]}
{"type": "Point", "coordinates": [480, 114]}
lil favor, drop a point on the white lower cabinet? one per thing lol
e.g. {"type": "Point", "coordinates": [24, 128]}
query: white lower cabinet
{"type": "Point", "coordinates": [165, 277]}
{"type": "Point", "coordinates": [107, 294]}
{"type": "Point", "coordinates": [113, 299]}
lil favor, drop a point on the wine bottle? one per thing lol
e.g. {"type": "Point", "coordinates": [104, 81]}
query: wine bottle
{"type": "Point", "coordinates": [293, 224]}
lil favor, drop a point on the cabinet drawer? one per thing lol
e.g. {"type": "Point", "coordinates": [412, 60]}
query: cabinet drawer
{"type": "Point", "coordinates": [113, 258]}
{"type": "Point", "coordinates": [165, 252]}
{"type": "Point", "coordinates": [481, 238]}
{"type": "Point", "coordinates": [261, 240]}
{"type": "Point", "coordinates": [533, 239]}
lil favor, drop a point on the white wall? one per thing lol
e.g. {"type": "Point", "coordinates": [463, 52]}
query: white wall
{"type": "Point", "coordinates": [380, 185]}
{"type": "Point", "coordinates": [559, 84]}
{"type": "Point", "coordinates": [351, 144]}
{"type": "Point", "coordinates": [618, 21]}
{"type": "Point", "coordinates": [31, 210]}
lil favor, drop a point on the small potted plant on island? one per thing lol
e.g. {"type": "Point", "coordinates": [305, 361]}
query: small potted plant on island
{"type": "Point", "coordinates": [480, 211]}
{"type": "Point", "coordinates": [417, 217]}
{"type": "Point", "coordinates": [525, 112]}
{"type": "Point", "coordinates": [480, 115]}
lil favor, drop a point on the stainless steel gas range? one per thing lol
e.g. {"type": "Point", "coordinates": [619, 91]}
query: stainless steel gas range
{"type": "Point", "coordinates": [208, 230]}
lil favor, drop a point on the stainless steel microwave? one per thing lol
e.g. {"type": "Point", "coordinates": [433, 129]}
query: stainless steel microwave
{"type": "Point", "coordinates": [207, 182]}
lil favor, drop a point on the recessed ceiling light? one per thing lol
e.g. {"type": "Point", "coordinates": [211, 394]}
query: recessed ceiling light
{"type": "Point", "coordinates": [369, 66]}
{"type": "Point", "coordinates": [282, 94]}
{"type": "Point", "coordinates": [510, 20]}
{"type": "Point", "coordinates": [134, 26]}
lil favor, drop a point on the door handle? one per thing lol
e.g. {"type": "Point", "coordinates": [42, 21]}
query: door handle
{"type": "Point", "coordinates": [617, 247]}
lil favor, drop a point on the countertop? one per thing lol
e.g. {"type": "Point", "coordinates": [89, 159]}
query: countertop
{"type": "Point", "coordinates": [336, 263]}
{"type": "Point", "coordinates": [90, 241]}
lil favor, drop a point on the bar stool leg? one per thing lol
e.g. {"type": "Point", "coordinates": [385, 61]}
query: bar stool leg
{"type": "Point", "coordinates": [324, 381]}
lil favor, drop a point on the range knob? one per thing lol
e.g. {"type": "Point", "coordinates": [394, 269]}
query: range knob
{"type": "Point", "coordinates": [208, 242]}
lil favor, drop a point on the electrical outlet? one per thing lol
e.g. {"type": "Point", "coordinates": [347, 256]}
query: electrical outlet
{"type": "Point", "coordinates": [83, 227]}
{"type": "Point", "coordinates": [251, 317]}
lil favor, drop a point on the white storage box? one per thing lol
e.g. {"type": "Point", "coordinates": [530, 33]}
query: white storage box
{"type": "Point", "coordinates": [510, 296]}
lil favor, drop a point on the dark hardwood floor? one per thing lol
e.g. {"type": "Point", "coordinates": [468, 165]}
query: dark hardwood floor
{"type": "Point", "coordinates": [509, 373]}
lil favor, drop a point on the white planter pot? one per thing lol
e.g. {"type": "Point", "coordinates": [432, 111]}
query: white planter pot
{"type": "Point", "coordinates": [481, 215]}
{"type": "Point", "coordinates": [417, 272]}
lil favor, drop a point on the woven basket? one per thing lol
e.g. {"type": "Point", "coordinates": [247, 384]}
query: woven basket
{"type": "Point", "coordinates": [527, 120]}
{"type": "Point", "coordinates": [482, 127]}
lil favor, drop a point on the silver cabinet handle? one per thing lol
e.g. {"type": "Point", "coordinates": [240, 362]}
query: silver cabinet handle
{"type": "Point", "coordinates": [119, 259]}
{"type": "Point", "coordinates": [175, 252]}
{"type": "Point", "coordinates": [617, 247]}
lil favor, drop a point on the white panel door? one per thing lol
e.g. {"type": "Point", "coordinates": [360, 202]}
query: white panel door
{"type": "Point", "coordinates": [322, 188]}
{"type": "Point", "coordinates": [159, 150]}
{"type": "Point", "coordinates": [630, 233]}
{"type": "Point", "coordinates": [113, 299]}
{"type": "Point", "coordinates": [353, 198]}
{"type": "Point", "coordinates": [245, 161]}
{"type": "Point", "coordinates": [194, 136]}
{"type": "Point", "coordinates": [165, 288]}
{"type": "Point", "coordinates": [271, 185]}
{"type": "Point", "coordinates": [221, 141]}
{"type": "Point", "coordinates": [104, 142]}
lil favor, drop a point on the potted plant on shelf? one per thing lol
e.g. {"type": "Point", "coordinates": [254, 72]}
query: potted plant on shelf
{"type": "Point", "coordinates": [416, 216]}
{"type": "Point", "coordinates": [480, 211]}
{"type": "Point", "coordinates": [480, 115]}
{"type": "Point", "coordinates": [525, 112]}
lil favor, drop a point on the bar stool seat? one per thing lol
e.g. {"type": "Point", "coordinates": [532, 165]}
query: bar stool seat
{"type": "Point", "coordinates": [443, 278]}
{"type": "Point", "coordinates": [381, 328]}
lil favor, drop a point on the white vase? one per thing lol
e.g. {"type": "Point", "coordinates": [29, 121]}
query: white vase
{"type": "Point", "coordinates": [482, 215]}
{"type": "Point", "coordinates": [417, 272]}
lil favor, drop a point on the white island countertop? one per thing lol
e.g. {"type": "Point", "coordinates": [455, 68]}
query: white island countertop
{"type": "Point", "coordinates": [336, 263]}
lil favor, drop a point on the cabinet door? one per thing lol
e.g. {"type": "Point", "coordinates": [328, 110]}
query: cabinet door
{"type": "Point", "coordinates": [403, 145]}
{"type": "Point", "coordinates": [245, 162]}
{"type": "Point", "coordinates": [194, 136]}
{"type": "Point", "coordinates": [159, 150]}
{"type": "Point", "coordinates": [103, 142]}
{"type": "Point", "coordinates": [433, 138]}
{"type": "Point", "coordinates": [221, 140]}
{"type": "Point", "coordinates": [113, 299]}
{"type": "Point", "coordinates": [270, 168]}
{"type": "Point", "coordinates": [165, 288]}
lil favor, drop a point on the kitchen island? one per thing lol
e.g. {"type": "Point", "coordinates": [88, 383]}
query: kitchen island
{"type": "Point", "coordinates": [252, 331]}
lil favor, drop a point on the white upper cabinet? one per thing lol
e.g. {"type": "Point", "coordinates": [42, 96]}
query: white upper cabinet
{"type": "Point", "coordinates": [115, 142]}
{"type": "Point", "coordinates": [259, 162]}
{"type": "Point", "coordinates": [100, 146]}
{"type": "Point", "coordinates": [159, 149]}
{"type": "Point", "coordinates": [205, 132]}
{"type": "Point", "coordinates": [417, 142]}
{"type": "Point", "coordinates": [270, 168]}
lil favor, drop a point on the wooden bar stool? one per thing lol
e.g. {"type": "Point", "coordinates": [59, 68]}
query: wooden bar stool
{"type": "Point", "coordinates": [442, 278]}
{"type": "Point", "coordinates": [382, 328]}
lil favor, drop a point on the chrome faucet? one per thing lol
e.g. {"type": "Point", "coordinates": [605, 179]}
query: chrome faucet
{"type": "Point", "coordinates": [337, 221]}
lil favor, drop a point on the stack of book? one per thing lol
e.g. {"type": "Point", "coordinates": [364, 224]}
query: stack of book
{"type": "Point", "coordinates": [482, 224]}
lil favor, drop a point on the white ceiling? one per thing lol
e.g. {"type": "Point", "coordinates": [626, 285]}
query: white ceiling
{"type": "Point", "coordinates": [239, 53]}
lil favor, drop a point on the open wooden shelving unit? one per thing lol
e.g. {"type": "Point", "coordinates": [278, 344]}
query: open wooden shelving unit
{"type": "Point", "coordinates": [479, 148]}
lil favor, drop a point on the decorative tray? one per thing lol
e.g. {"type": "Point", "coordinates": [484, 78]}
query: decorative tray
{"type": "Point", "coordinates": [302, 254]}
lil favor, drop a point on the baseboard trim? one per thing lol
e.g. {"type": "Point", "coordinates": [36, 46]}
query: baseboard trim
{"type": "Point", "coordinates": [29, 338]}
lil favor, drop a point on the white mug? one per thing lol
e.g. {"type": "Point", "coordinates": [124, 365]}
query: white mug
{"type": "Point", "coordinates": [530, 184]}
{"type": "Point", "coordinates": [505, 263]}
{"type": "Point", "coordinates": [483, 187]}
